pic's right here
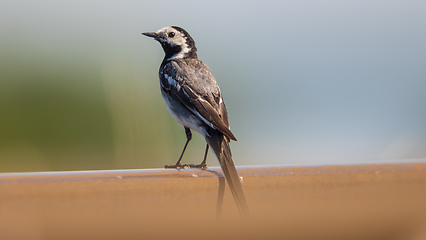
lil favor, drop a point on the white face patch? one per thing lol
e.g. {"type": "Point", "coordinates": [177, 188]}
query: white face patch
{"type": "Point", "coordinates": [178, 39]}
{"type": "Point", "coordinates": [181, 54]}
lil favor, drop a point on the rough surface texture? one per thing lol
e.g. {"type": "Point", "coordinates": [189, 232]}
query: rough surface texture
{"type": "Point", "coordinates": [326, 202]}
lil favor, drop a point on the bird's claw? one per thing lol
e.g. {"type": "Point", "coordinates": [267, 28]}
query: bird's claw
{"type": "Point", "coordinates": [201, 166]}
{"type": "Point", "coordinates": [186, 166]}
{"type": "Point", "coordinates": [177, 166]}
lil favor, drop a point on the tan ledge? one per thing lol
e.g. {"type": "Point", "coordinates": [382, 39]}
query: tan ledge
{"type": "Point", "coordinates": [386, 201]}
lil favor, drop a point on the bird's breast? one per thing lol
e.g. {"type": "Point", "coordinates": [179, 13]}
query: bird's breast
{"type": "Point", "coordinates": [183, 116]}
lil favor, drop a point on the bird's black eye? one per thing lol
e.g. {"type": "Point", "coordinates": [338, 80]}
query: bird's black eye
{"type": "Point", "coordinates": [171, 34]}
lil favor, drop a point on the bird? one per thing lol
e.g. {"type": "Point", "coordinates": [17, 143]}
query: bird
{"type": "Point", "coordinates": [193, 98]}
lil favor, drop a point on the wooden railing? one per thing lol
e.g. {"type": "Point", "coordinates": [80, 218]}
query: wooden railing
{"type": "Point", "coordinates": [385, 201]}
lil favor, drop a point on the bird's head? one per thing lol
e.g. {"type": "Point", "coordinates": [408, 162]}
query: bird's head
{"type": "Point", "coordinates": [176, 42]}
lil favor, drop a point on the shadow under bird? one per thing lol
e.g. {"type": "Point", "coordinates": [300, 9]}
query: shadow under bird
{"type": "Point", "coordinates": [193, 98]}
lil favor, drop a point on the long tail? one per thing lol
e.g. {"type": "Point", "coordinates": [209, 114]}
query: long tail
{"type": "Point", "coordinates": [219, 143]}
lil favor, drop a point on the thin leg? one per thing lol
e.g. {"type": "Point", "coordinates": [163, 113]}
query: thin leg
{"type": "Point", "coordinates": [203, 164]}
{"type": "Point", "coordinates": [178, 165]}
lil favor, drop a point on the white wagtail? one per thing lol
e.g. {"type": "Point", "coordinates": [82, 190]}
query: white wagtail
{"type": "Point", "coordinates": [194, 99]}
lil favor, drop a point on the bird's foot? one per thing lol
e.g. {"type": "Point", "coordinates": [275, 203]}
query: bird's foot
{"type": "Point", "coordinates": [201, 166]}
{"type": "Point", "coordinates": [177, 166]}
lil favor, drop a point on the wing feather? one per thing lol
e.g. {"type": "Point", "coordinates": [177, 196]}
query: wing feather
{"type": "Point", "coordinates": [209, 113]}
{"type": "Point", "coordinates": [205, 103]}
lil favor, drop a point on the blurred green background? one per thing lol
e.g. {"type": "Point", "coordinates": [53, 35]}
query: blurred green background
{"type": "Point", "coordinates": [305, 82]}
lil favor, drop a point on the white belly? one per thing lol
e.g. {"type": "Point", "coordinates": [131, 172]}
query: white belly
{"type": "Point", "coordinates": [183, 116]}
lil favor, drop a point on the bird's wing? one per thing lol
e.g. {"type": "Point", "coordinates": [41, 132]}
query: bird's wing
{"type": "Point", "coordinates": [191, 83]}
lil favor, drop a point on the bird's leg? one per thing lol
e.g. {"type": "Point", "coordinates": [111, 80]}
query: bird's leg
{"type": "Point", "coordinates": [178, 165]}
{"type": "Point", "coordinates": [203, 164]}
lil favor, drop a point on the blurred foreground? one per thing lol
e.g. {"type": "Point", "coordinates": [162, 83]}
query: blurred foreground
{"type": "Point", "coordinates": [335, 202]}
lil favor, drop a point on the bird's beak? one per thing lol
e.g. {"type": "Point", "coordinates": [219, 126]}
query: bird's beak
{"type": "Point", "coordinates": [150, 34]}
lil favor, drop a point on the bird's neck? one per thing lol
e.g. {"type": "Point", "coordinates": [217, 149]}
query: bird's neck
{"type": "Point", "coordinates": [177, 52]}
